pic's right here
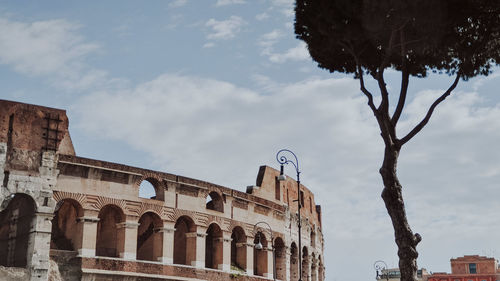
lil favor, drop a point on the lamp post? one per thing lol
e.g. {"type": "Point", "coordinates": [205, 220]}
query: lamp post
{"type": "Point", "coordinates": [259, 247]}
{"type": "Point", "coordinates": [380, 265]}
{"type": "Point", "coordinates": [282, 160]}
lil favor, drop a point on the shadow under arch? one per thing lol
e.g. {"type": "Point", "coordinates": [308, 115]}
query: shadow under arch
{"type": "Point", "coordinates": [294, 262]}
{"type": "Point", "coordinates": [260, 256]}
{"type": "Point", "coordinates": [185, 241]}
{"type": "Point", "coordinates": [280, 256]}
{"type": "Point", "coordinates": [16, 224]}
{"type": "Point", "coordinates": [66, 231]}
{"type": "Point", "coordinates": [213, 247]}
{"type": "Point", "coordinates": [149, 238]}
{"type": "Point", "coordinates": [110, 237]}
{"type": "Point", "coordinates": [239, 248]}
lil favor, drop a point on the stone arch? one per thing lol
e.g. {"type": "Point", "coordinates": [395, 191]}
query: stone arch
{"type": "Point", "coordinates": [314, 268]}
{"type": "Point", "coordinates": [213, 247]}
{"type": "Point", "coordinates": [66, 231]}
{"type": "Point", "coordinates": [305, 264]}
{"type": "Point", "coordinates": [16, 224]}
{"type": "Point", "coordinates": [260, 256]}
{"type": "Point", "coordinates": [150, 181]}
{"type": "Point", "coordinates": [215, 201]}
{"type": "Point", "coordinates": [110, 237]}
{"type": "Point", "coordinates": [321, 269]}
{"type": "Point", "coordinates": [313, 237]}
{"type": "Point", "coordinates": [280, 258]}
{"type": "Point", "coordinates": [185, 241]}
{"type": "Point", "coordinates": [239, 248]}
{"type": "Point", "coordinates": [149, 239]}
{"type": "Point", "coordinates": [294, 262]}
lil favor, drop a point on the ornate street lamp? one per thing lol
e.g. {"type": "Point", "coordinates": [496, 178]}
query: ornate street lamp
{"type": "Point", "coordinates": [381, 266]}
{"type": "Point", "coordinates": [282, 160]}
{"type": "Point", "coordinates": [259, 246]}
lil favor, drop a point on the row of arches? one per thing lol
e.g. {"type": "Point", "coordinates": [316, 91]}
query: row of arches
{"type": "Point", "coordinates": [16, 223]}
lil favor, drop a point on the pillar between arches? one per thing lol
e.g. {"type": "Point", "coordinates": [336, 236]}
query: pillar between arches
{"type": "Point", "coordinates": [197, 253]}
{"type": "Point", "coordinates": [88, 226]}
{"type": "Point", "coordinates": [250, 245]}
{"type": "Point", "coordinates": [168, 232]}
{"type": "Point", "coordinates": [128, 238]}
{"type": "Point", "coordinates": [226, 251]}
{"type": "Point", "coordinates": [270, 262]}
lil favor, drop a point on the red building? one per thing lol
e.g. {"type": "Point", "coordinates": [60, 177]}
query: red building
{"type": "Point", "coordinates": [470, 268]}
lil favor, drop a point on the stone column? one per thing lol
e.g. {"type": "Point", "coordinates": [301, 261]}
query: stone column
{"type": "Point", "coordinates": [127, 239]}
{"type": "Point", "coordinates": [250, 247]}
{"type": "Point", "coordinates": [226, 252]}
{"type": "Point", "coordinates": [88, 226]}
{"type": "Point", "coordinates": [196, 247]}
{"type": "Point", "coordinates": [270, 262]}
{"type": "Point", "coordinates": [167, 231]}
{"type": "Point", "coordinates": [39, 248]}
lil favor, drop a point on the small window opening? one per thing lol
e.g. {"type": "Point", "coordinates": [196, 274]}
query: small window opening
{"type": "Point", "coordinates": [277, 191]}
{"type": "Point", "coordinates": [214, 202]}
{"type": "Point", "coordinates": [472, 268]}
{"type": "Point", "coordinates": [302, 198]}
{"type": "Point", "coordinates": [147, 190]}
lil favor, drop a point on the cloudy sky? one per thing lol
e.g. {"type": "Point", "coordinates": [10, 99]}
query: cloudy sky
{"type": "Point", "coordinates": [213, 89]}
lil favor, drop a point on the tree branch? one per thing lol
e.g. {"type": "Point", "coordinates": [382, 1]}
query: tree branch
{"type": "Point", "coordinates": [424, 121]}
{"type": "Point", "coordinates": [361, 78]}
{"type": "Point", "coordinates": [405, 76]}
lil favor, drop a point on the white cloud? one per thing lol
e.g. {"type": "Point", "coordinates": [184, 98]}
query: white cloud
{"type": "Point", "coordinates": [177, 3]}
{"type": "Point", "coordinates": [209, 45]}
{"type": "Point", "coordinates": [42, 47]}
{"type": "Point", "coordinates": [52, 49]}
{"type": "Point", "coordinates": [229, 2]}
{"type": "Point", "coordinates": [297, 53]}
{"type": "Point", "coordinates": [268, 40]}
{"type": "Point", "coordinates": [262, 16]}
{"type": "Point", "coordinates": [225, 29]}
{"type": "Point", "coordinates": [286, 7]}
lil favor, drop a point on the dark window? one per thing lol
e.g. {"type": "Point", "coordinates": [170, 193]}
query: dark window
{"type": "Point", "coordinates": [472, 268]}
{"type": "Point", "coordinates": [277, 193]}
{"type": "Point", "coordinates": [302, 198]}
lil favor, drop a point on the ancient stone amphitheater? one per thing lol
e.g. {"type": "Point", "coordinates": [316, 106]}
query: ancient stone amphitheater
{"type": "Point", "coordinates": [71, 218]}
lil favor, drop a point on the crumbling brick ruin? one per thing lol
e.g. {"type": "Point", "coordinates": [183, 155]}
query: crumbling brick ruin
{"type": "Point", "coordinates": [86, 217]}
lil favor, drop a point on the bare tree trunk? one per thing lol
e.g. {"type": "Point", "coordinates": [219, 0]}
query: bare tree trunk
{"type": "Point", "coordinates": [393, 199]}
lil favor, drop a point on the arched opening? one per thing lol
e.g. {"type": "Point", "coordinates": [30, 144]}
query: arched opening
{"type": "Point", "coordinates": [213, 247]}
{"type": "Point", "coordinates": [16, 222]}
{"type": "Point", "coordinates": [66, 232]}
{"type": "Point", "coordinates": [314, 268]}
{"type": "Point", "coordinates": [151, 188]}
{"type": "Point", "coordinates": [149, 239]}
{"type": "Point", "coordinates": [215, 202]}
{"type": "Point", "coordinates": [110, 238]}
{"type": "Point", "coordinates": [313, 238]}
{"type": "Point", "coordinates": [185, 241]}
{"type": "Point", "coordinates": [280, 256]}
{"type": "Point", "coordinates": [305, 264]}
{"type": "Point", "coordinates": [238, 249]}
{"type": "Point", "coordinates": [321, 270]}
{"type": "Point", "coordinates": [260, 256]}
{"type": "Point", "coordinates": [294, 262]}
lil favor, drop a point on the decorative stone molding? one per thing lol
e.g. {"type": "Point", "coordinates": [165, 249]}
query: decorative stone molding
{"type": "Point", "coordinates": [88, 219]}
{"type": "Point", "coordinates": [127, 224]}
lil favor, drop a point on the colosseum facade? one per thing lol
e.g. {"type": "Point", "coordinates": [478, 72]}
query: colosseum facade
{"type": "Point", "coordinates": [84, 219]}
